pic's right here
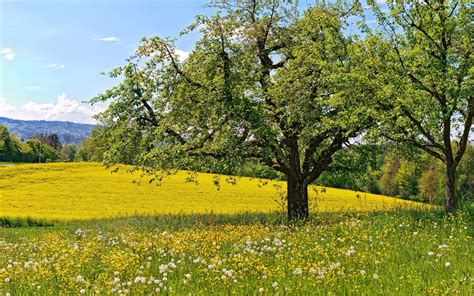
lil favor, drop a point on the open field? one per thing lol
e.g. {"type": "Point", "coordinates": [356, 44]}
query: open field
{"type": "Point", "coordinates": [79, 191]}
{"type": "Point", "coordinates": [398, 253]}
{"type": "Point", "coordinates": [171, 244]}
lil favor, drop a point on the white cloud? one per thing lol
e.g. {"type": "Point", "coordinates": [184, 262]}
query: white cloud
{"type": "Point", "coordinates": [64, 109]}
{"type": "Point", "coordinates": [56, 66]}
{"type": "Point", "coordinates": [182, 55]}
{"type": "Point", "coordinates": [7, 53]}
{"type": "Point", "coordinates": [380, 2]}
{"type": "Point", "coordinates": [5, 108]}
{"type": "Point", "coordinates": [32, 87]}
{"type": "Point", "coordinates": [108, 39]}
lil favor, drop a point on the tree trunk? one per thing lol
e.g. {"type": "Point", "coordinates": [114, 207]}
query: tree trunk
{"type": "Point", "coordinates": [451, 199]}
{"type": "Point", "coordinates": [297, 199]}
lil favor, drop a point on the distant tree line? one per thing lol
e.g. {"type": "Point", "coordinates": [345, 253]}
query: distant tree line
{"type": "Point", "coordinates": [43, 147]}
{"type": "Point", "coordinates": [34, 149]}
{"type": "Point", "coordinates": [389, 170]}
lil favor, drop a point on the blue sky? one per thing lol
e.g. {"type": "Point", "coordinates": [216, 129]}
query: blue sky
{"type": "Point", "coordinates": [53, 51]}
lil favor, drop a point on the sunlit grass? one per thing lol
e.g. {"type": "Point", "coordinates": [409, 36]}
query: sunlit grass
{"type": "Point", "coordinates": [80, 191]}
{"type": "Point", "coordinates": [392, 253]}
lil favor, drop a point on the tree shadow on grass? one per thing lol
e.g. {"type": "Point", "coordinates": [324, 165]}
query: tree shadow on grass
{"type": "Point", "coordinates": [180, 221]}
{"type": "Point", "coordinates": [186, 220]}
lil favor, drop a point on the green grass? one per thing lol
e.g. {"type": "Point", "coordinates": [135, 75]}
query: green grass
{"type": "Point", "coordinates": [394, 253]}
{"type": "Point", "coordinates": [23, 222]}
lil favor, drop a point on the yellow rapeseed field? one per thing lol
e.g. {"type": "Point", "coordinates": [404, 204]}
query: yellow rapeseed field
{"type": "Point", "coordinates": [80, 191]}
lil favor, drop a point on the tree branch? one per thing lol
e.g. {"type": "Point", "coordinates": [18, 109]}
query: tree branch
{"type": "Point", "coordinates": [422, 130]}
{"type": "Point", "coordinates": [324, 159]}
{"type": "Point", "coordinates": [465, 135]}
{"type": "Point", "coordinates": [178, 70]}
{"type": "Point", "coordinates": [417, 144]}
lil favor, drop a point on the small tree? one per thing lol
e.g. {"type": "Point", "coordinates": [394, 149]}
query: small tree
{"type": "Point", "coordinates": [93, 147]}
{"type": "Point", "coordinates": [422, 62]}
{"type": "Point", "coordinates": [262, 83]}
{"type": "Point", "coordinates": [388, 182]}
{"type": "Point", "coordinates": [68, 152]}
{"type": "Point", "coordinates": [9, 145]}
{"type": "Point", "coordinates": [51, 140]}
{"type": "Point", "coordinates": [408, 176]}
{"type": "Point", "coordinates": [430, 183]}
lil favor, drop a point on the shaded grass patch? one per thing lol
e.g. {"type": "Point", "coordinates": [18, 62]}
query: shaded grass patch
{"type": "Point", "coordinates": [23, 222]}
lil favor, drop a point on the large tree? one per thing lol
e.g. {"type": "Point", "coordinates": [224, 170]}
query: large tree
{"type": "Point", "coordinates": [422, 61]}
{"type": "Point", "coordinates": [264, 82]}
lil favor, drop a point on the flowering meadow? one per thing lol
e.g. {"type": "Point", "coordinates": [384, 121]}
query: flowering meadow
{"type": "Point", "coordinates": [104, 234]}
{"type": "Point", "coordinates": [401, 253]}
{"type": "Point", "coordinates": [82, 191]}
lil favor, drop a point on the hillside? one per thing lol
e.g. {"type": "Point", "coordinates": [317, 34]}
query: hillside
{"type": "Point", "coordinates": [68, 132]}
{"type": "Point", "coordinates": [69, 191]}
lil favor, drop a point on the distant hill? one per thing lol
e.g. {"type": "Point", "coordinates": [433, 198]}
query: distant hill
{"type": "Point", "coordinates": [68, 132]}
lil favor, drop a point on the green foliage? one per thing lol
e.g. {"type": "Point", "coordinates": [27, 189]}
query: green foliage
{"type": "Point", "coordinates": [51, 140]}
{"type": "Point", "coordinates": [258, 170]}
{"type": "Point", "coordinates": [388, 182]}
{"type": "Point", "coordinates": [407, 177]}
{"type": "Point", "coordinates": [430, 184]}
{"type": "Point", "coordinates": [397, 171]}
{"type": "Point", "coordinates": [420, 57]}
{"type": "Point", "coordinates": [466, 175]}
{"type": "Point", "coordinates": [9, 145]}
{"type": "Point", "coordinates": [356, 168]}
{"type": "Point", "coordinates": [68, 152]}
{"type": "Point", "coordinates": [31, 150]}
{"type": "Point", "coordinates": [416, 176]}
{"type": "Point", "coordinates": [93, 147]}
{"type": "Point", "coordinates": [40, 152]}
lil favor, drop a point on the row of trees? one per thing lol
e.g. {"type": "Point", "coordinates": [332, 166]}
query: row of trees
{"type": "Point", "coordinates": [269, 83]}
{"type": "Point", "coordinates": [41, 148]}
{"type": "Point", "coordinates": [35, 149]}
{"type": "Point", "coordinates": [387, 170]}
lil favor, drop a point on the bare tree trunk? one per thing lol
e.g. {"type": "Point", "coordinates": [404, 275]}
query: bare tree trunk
{"type": "Point", "coordinates": [451, 199]}
{"type": "Point", "coordinates": [298, 208]}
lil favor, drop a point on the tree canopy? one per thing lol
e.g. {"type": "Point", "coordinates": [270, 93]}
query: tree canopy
{"type": "Point", "coordinates": [422, 64]}
{"type": "Point", "coordinates": [263, 82]}
{"type": "Point", "coordinates": [285, 88]}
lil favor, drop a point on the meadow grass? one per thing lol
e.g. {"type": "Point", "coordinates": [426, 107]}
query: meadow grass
{"type": "Point", "coordinates": [366, 245]}
{"type": "Point", "coordinates": [394, 253]}
{"type": "Point", "coordinates": [82, 191]}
